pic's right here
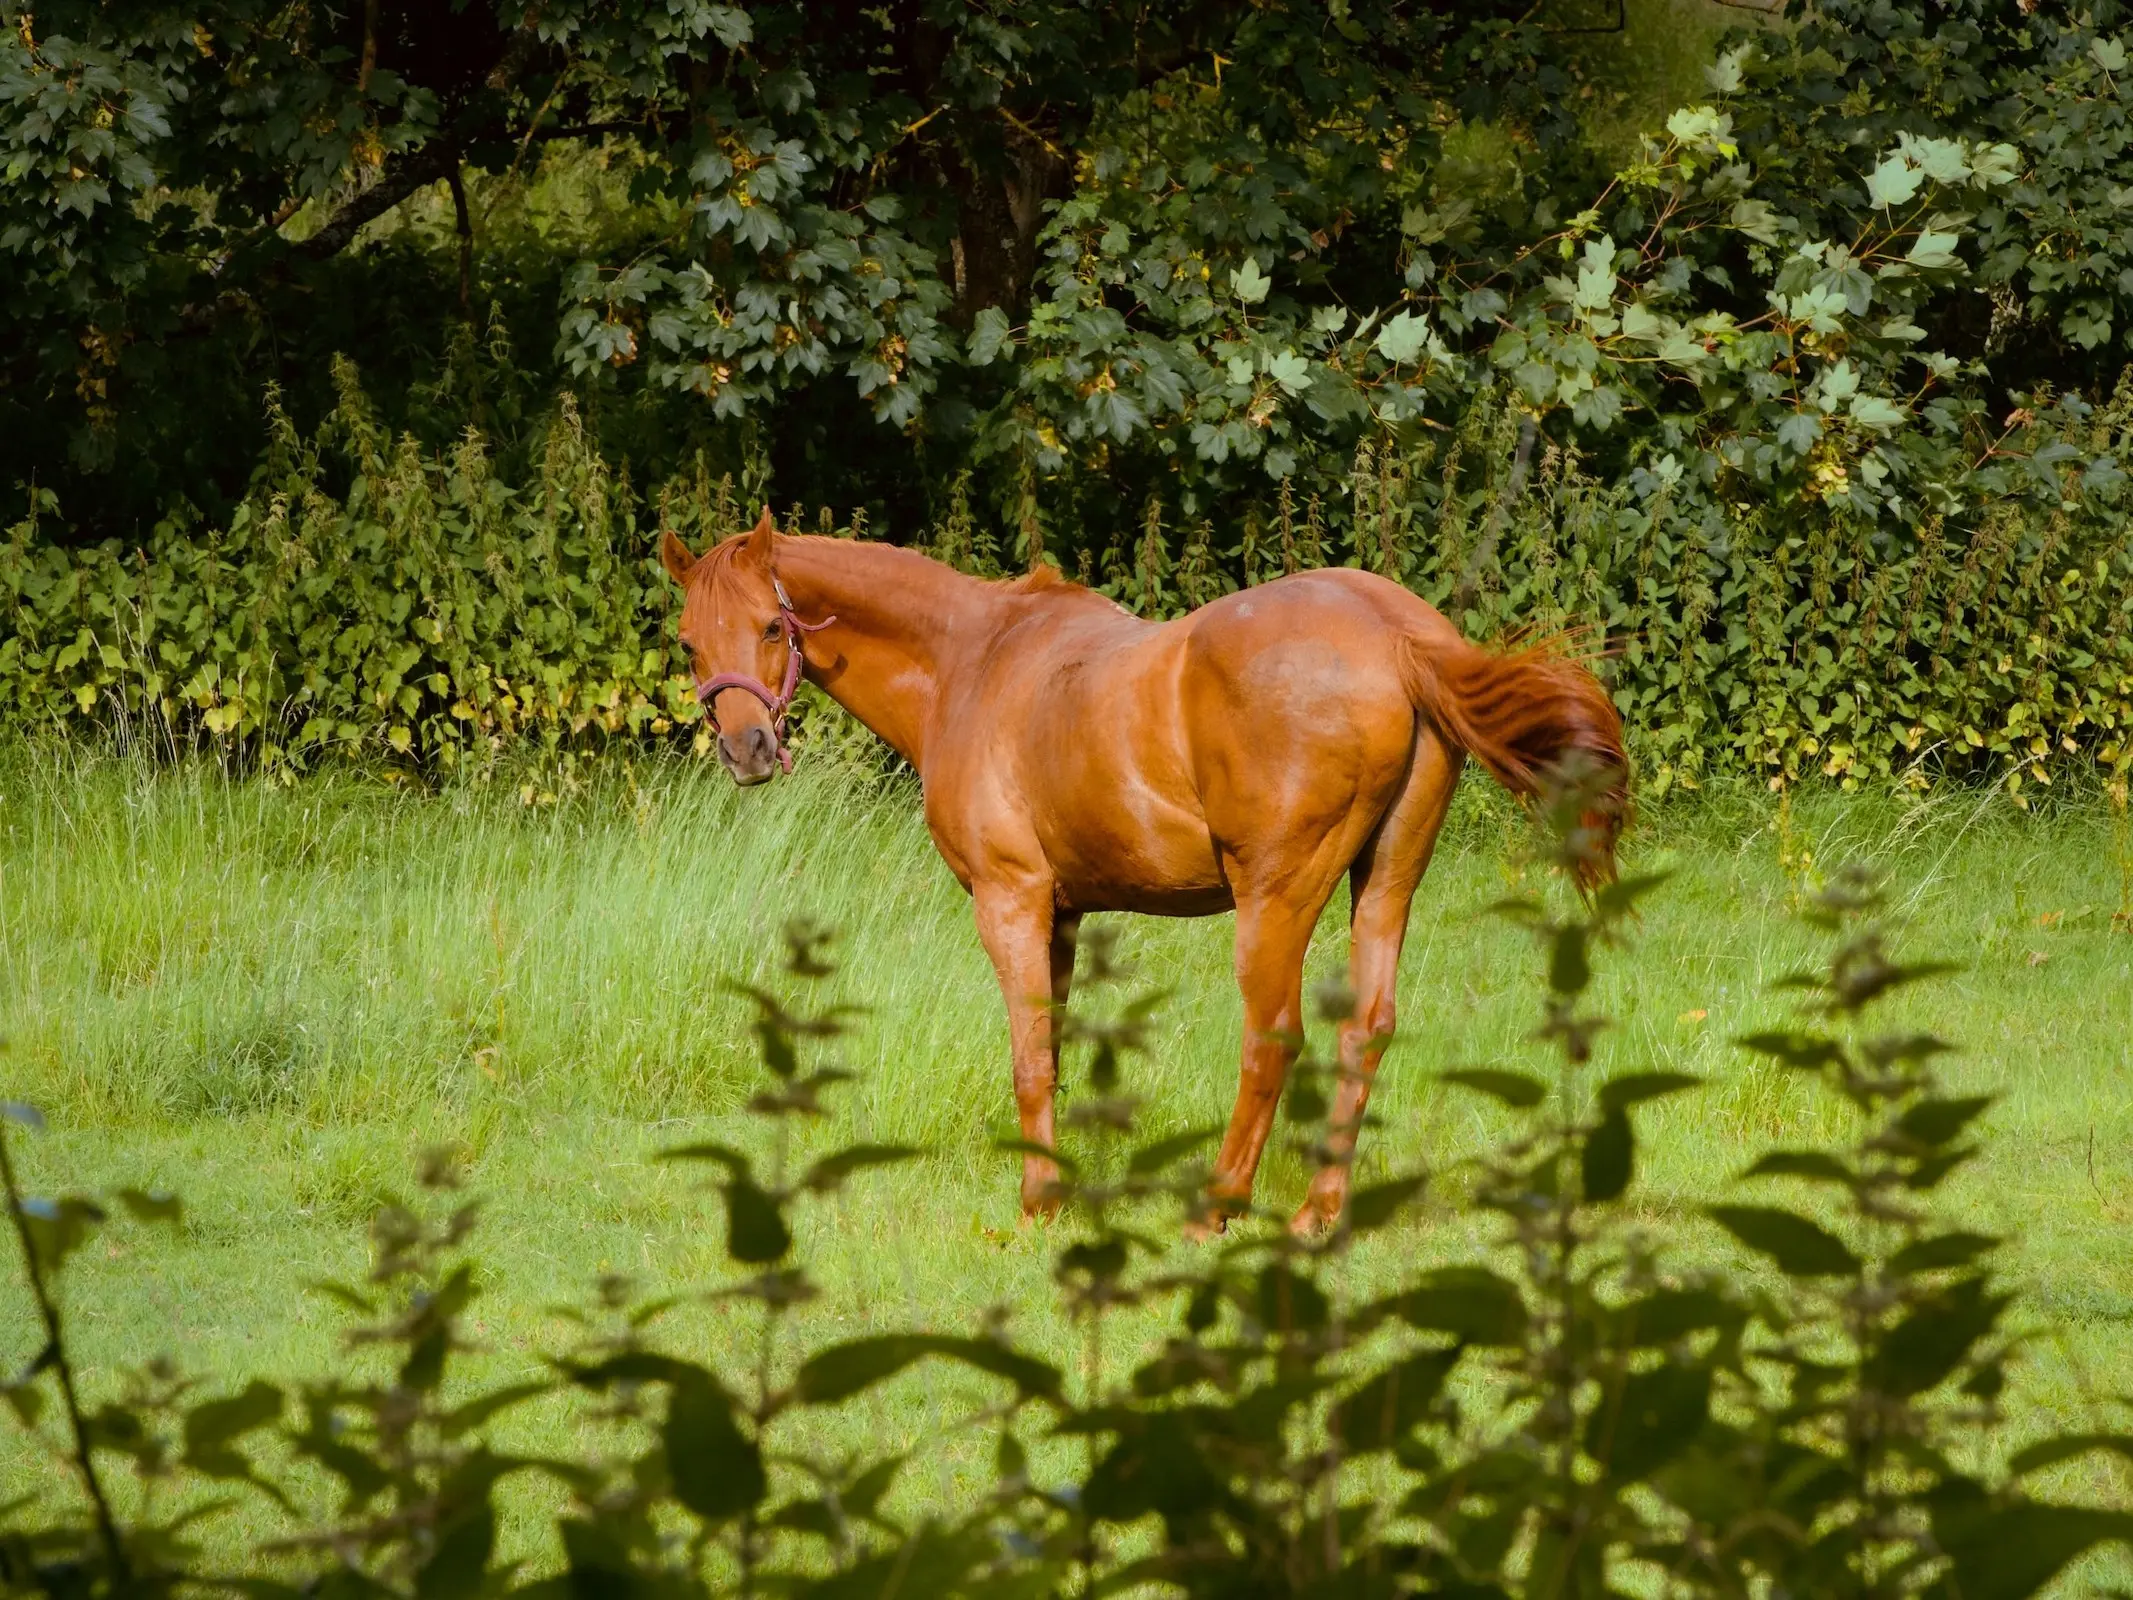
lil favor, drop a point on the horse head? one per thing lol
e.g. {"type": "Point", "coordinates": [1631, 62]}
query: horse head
{"type": "Point", "coordinates": [743, 642]}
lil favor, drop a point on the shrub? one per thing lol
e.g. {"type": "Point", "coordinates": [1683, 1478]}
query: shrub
{"type": "Point", "coordinates": [375, 602]}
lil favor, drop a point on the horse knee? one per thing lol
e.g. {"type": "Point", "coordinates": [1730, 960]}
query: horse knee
{"type": "Point", "coordinates": [1034, 1081]}
{"type": "Point", "coordinates": [1371, 1026]}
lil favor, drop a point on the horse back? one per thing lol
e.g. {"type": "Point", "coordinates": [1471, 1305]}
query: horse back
{"type": "Point", "coordinates": [1138, 763]}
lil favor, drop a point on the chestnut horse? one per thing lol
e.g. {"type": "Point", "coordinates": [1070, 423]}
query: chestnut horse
{"type": "Point", "coordinates": [1076, 758]}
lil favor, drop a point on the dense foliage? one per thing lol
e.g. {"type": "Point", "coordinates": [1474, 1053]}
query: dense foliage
{"type": "Point", "coordinates": [1088, 253]}
{"type": "Point", "coordinates": [432, 617]}
{"type": "Point", "coordinates": [1810, 413]}
{"type": "Point", "coordinates": [1572, 1412]}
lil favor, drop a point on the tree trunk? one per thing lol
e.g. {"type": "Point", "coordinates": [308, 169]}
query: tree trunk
{"type": "Point", "coordinates": [1001, 176]}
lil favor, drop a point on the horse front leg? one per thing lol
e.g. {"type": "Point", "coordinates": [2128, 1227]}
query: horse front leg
{"type": "Point", "coordinates": [1021, 934]}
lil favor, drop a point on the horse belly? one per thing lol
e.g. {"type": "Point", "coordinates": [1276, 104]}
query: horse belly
{"type": "Point", "coordinates": [1135, 850]}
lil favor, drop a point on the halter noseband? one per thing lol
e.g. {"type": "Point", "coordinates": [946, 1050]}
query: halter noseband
{"type": "Point", "coordinates": [708, 689]}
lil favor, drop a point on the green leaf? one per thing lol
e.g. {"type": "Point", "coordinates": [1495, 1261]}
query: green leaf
{"type": "Point", "coordinates": [1724, 75]}
{"type": "Point", "coordinates": [1029, 1147]}
{"type": "Point", "coordinates": [58, 1228]}
{"type": "Point", "coordinates": [1893, 182]}
{"type": "Point", "coordinates": [1816, 1166]}
{"type": "Point", "coordinates": [1402, 338]}
{"type": "Point", "coordinates": [1620, 898]}
{"type": "Point", "coordinates": [1154, 1468]}
{"type": "Point", "coordinates": [865, 1492]}
{"type": "Point", "coordinates": [1935, 1122]}
{"type": "Point", "coordinates": [1940, 1253]}
{"type": "Point", "coordinates": [1514, 1089]}
{"type": "Point", "coordinates": [464, 1419]}
{"type": "Point", "coordinates": [2065, 1447]}
{"type": "Point", "coordinates": [1249, 284]}
{"type": "Point", "coordinates": [460, 1560]}
{"type": "Point", "coordinates": [1666, 1315]}
{"type": "Point", "coordinates": [1932, 1340]}
{"type": "Point", "coordinates": [1378, 1204]}
{"type": "Point", "coordinates": [1393, 1403]}
{"type": "Point", "coordinates": [850, 1368]}
{"type": "Point", "coordinates": [1634, 1088]}
{"type": "Point", "coordinates": [827, 1174]}
{"type": "Point", "coordinates": [725, 1155]}
{"type": "Point", "coordinates": [847, 1369]}
{"type": "Point", "coordinates": [1290, 1302]}
{"type": "Point", "coordinates": [2109, 54]}
{"type": "Point", "coordinates": [1609, 1157]}
{"type": "Point", "coordinates": [1290, 370]}
{"type": "Point", "coordinates": [715, 1469]}
{"type": "Point", "coordinates": [1639, 322]}
{"type": "Point", "coordinates": [1472, 1304]}
{"type": "Point", "coordinates": [756, 1232]}
{"type": "Point", "coordinates": [211, 1425]}
{"type": "Point", "coordinates": [26, 1400]}
{"type": "Point", "coordinates": [599, 1560]}
{"type": "Point", "coordinates": [1931, 250]}
{"type": "Point", "coordinates": [2010, 1552]}
{"type": "Point", "coordinates": [321, 1441]}
{"type": "Point", "coordinates": [1801, 1249]}
{"type": "Point", "coordinates": [989, 335]}
{"type": "Point", "coordinates": [1807, 1052]}
{"type": "Point", "coordinates": [1657, 1416]}
{"type": "Point", "coordinates": [1872, 411]}
{"type": "Point", "coordinates": [1756, 220]}
{"type": "Point", "coordinates": [156, 1206]}
{"type": "Point", "coordinates": [423, 1368]}
{"type": "Point", "coordinates": [1568, 969]}
{"type": "Point", "coordinates": [1162, 1153]}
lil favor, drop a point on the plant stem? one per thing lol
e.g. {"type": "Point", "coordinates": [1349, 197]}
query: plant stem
{"type": "Point", "coordinates": [55, 1352]}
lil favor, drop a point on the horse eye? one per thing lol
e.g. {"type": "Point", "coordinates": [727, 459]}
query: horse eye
{"type": "Point", "coordinates": [770, 632]}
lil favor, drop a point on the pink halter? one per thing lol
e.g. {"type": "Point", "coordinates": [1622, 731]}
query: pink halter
{"type": "Point", "coordinates": [708, 689]}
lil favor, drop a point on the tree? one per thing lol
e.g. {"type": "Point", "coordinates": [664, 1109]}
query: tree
{"type": "Point", "coordinates": [823, 192]}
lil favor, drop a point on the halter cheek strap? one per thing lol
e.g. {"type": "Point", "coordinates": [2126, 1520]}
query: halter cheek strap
{"type": "Point", "coordinates": [709, 689]}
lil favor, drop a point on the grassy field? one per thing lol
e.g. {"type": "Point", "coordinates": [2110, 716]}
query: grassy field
{"type": "Point", "coordinates": [271, 998]}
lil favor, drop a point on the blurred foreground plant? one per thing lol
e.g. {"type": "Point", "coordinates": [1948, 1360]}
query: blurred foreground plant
{"type": "Point", "coordinates": [1578, 1408]}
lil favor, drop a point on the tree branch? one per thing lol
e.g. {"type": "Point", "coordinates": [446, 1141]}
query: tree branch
{"type": "Point", "coordinates": [585, 130]}
{"type": "Point", "coordinates": [435, 161]}
{"type": "Point", "coordinates": [417, 172]}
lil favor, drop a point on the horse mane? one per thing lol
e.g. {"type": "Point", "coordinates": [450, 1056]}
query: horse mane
{"type": "Point", "coordinates": [1043, 580]}
{"type": "Point", "coordinates": [1039, 578]}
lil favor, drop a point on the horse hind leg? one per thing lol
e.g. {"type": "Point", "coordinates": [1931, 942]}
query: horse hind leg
{"type": "Point", "coordinates": [1273, 934]}
{"type": "Point", "coordinates": [1382, 885]}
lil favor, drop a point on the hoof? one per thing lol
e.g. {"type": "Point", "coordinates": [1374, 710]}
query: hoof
{"type": "Point", "coordinates": [1314, 1218]}
{"type": "Point", "coordinates": [1201, 1230]}
{"type": "Point", "coordinates": [1209, 1221]}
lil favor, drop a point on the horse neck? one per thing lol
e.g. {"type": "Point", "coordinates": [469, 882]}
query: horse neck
{"type": "Point", "coordinates": [899, 618]}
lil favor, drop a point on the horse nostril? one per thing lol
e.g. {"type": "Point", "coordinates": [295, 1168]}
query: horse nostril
{"type": "Point", "coordinates": [751, 747]}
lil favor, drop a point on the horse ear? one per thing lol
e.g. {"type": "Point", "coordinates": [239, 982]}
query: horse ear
{"type": "Point", "coordinates": [675, 557]}
{"type": "Point", "coordinates": [760, 539]}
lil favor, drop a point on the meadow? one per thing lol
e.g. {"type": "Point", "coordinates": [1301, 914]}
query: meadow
{"type": "Point", "coordinates": [270, 997]}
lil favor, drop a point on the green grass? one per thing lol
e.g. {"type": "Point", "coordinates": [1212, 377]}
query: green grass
{"type": "Point", "coordinates": [271, 998]}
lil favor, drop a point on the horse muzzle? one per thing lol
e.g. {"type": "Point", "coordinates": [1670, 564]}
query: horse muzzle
{"type": "Point", "coordinates": [749, 755]}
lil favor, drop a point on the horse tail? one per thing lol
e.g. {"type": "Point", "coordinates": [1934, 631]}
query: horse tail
{"type": "Point", "coordinates": [1525, 714]}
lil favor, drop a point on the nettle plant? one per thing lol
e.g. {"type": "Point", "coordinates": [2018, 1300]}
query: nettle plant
{"type": "Point", "coordinates": [1569, 1411]}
